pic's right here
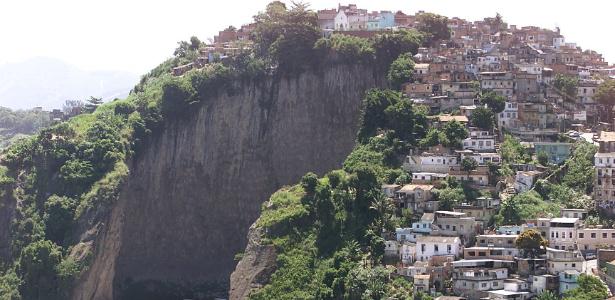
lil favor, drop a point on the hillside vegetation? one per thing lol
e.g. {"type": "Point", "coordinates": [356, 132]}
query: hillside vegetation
{"type": "Point", "coordinates": [67, 177]}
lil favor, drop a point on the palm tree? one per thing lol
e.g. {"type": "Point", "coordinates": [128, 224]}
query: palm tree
{"type": "Point", "coordinates": [384, 209]}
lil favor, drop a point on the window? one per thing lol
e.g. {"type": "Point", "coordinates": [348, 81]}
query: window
{"type": "Point", "coordinates": [581, 235]}
{"type": "Point", "coordinates": [613, 235]}
{"type": "Point", "coordinates": [604, 235]}
{"type": "Point", "coordinates": [593, 235]}
{"type": "Point", "coordinates": [435, 248]}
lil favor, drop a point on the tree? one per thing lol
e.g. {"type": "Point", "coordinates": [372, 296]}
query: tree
{"type": "Point", "coordinates": [566, 86]}
{"type": "Point", "coordinates": [531, 241]}
{"type": "Point", "coordinates": [605, 95]}
{"type": "Point", "coordinates": [195, 43]}
{"type": "Point", "coordinates": [182, 49]}
{"type": "Point", "coordinates": [509, 212]}
{"type": "Point", "coordinates": [483, 118]}
{"type": "Point", "coordinates": [543, 158]}
{"type": "Point", "coordinates": [580, 174]}
{"type": "Point", "coordinates": [71, 106]}
{"type": "Point", "coordinates": [400, 118]}
{"type": "Point", "coordinates": [590, 287]}
{"type": "Point", "coordinates": [92, 103]}
{"type": "Point", "coordinates": [494, 101]}
{"type": "Point", "coordinates": [449, 197]}
{"type": "Point", "coordinates": [58, 217]}
{"type": "Point", "coordinates": [401, 70]}
{"type": "Point", "coordinates": [434, 26]}
{"type": "Point", "coordinates": [373, 116]}
{"type": "Point", "coordinates": [37, 268]}
{"type": "Point", "coordinates": [389, 46]}
{"type": "Point", "coordinates": [547, 295]}
{"type": "Point", "coordinates": [468, 164]}
{"type": "Point", "coordinates": [455, 133]}
{"type": "Point", "coordinates": [497, 23]}
{"type": "Point", "coordinates": [309, 182]}
{"type": "Point", "coordinates": [286, 36]}
{"type": "Point", "coordinates": [176, 97]}
{"type": "Point", "coordinates": [433, 138]}
{"type": "Point", "coordinates": [384, 209]}
{"type": "Point", "coordinates": [9, 285]}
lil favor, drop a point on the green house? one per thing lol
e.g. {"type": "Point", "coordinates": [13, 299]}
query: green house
{"type": "Point", "coordinates": [557, 152]}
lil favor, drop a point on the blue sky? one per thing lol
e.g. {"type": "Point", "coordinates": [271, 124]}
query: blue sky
{"type": "Point", "coordinates": [136, 35]}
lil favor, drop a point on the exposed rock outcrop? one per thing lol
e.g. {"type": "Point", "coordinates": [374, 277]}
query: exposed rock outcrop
{"type": "Point", "coordinates": [255, 267]}
{"type": "Point", "coordinates": [192, 194]}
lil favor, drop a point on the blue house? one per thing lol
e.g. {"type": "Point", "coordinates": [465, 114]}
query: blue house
{"type": "Point", "coordinates": [509, 229]}
{"type": "Point", "coordinates": [568, 280]}
{"type": "Point", "coordinates": [387, 19]}
{"type": "Point", "coordinates": [557, 152]}
{"type": "Point", "coordinates": [424, 225]}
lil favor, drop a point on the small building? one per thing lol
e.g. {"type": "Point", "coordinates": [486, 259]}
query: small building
{"type": "Point", "coordinates": [390, 189]}
{"type": "Point", "coordinates": [428, 177]}
{"type": "Point", "coordinates": [556, 152]}
{"type": "Point", "coordinates": [430, 162]}
{"type": "Point", "coordinates": [563, 233]}
{"type": "Point", "coordinates": [429, 246]}
{"type": "Point", "coordinates": [424, 224]}
{"type": "Point", "coordinates": [499, 253]}
{"type": "Point", "coordinates": [421, 283]}
{"type": "Point", "coordinates": [568, 280]}
{"type": "Point", "coordinates": [573, 213]}
{"type": "Point", "coordinates": [524, 180]}
{"type": "Point", "coordinates": [563, 260]}
{"type": "Point", "coordinates": [545, 282]}
{"type": "Point", "coordinates": [479, 177]}
{"type": "Point", "coordinates": [414, 196]}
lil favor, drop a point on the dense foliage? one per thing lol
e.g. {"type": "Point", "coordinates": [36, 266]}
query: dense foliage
{"type": "Point", "coordinates": [329, 225]}
{"type": "Point", "coordinates": [590, 287]}
{"type": "Point", "coordinates": [494, 101]}
{"type": "Point", "coordinates": [566, 86]}
{"type": "Point", "coordinates": [401, 70]}
{"type": "Point", "coordinates": [483, 118]}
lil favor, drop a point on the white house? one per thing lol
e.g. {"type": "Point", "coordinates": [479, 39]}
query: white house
{"type": "Point", "coordinates": [428, 177]}
{"type": "Point", "coordinates": [407, 253]}
{"type": "Point", "coordinates": [524, 180]}
{"type": "Point", "coordinates": [428, 162]}
{"type": "Point", "coordinates": [429, 246]}
{"type": "Point", "coordinates": [510, 113]}
{"type": "Point", "coordinates": [563, 233]}
{"type": "Point", "coordinates": [421, 69]}
{"type": "Point", "coordinates": [341, 21]}
{"type": "Point", "coordinates": [562, 260]}
{"type": "Point", "coordinates": [482, 158]}
{"type": "Point", "coordinates": [391, 249]}
{"type": "Point", "coordinates": [479, 143]}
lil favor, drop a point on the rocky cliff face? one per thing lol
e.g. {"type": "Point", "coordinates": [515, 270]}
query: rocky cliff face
{"type": "Point", "coordinates": [194, 192]}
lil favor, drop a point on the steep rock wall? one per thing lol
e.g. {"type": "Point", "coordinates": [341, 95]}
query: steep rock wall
{"type": "Point", "coordinates": [194, 192]}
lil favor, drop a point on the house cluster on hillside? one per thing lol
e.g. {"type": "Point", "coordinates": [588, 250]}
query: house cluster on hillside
{"type": "Point", "coordinates": [452, 248]}
{"type": "Point", "coordinates": [457, 248]}
{"type": "Point", "coordinates": [549, 87]}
